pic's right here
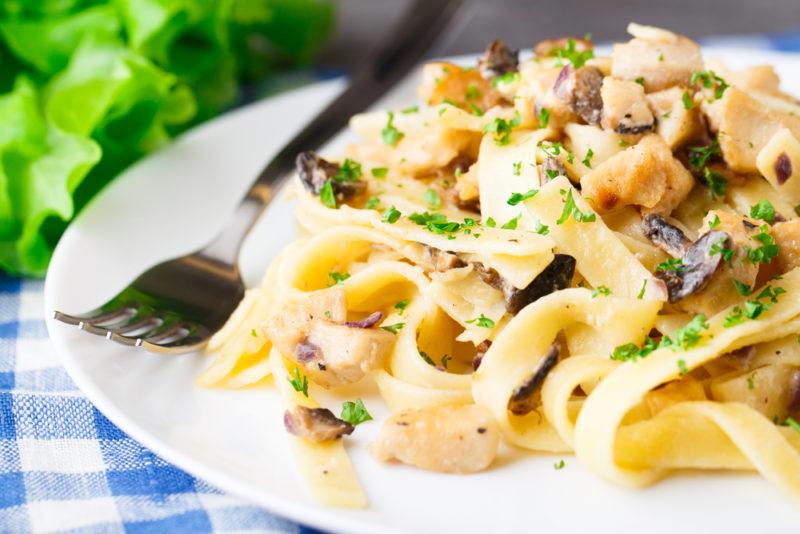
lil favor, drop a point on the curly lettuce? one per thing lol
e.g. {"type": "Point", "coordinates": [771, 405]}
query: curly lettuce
{"type": "Point", "coordinates": [87, 87]}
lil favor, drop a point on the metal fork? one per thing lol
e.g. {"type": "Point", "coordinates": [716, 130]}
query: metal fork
{"type": "Point", "coordinates": [179, 304]}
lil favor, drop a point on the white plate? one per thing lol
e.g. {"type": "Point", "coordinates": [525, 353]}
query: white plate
{"type": "Point", "coordinates": [175, 201]}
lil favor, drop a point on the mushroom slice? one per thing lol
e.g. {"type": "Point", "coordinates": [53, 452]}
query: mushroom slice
{"type": "Point", "coordinates": [557, 275]}
{"type": "Point", "coordinates": [315, 424]}
{"type": "Point", "coordinates": [701, 261]}
{"type": "Point", "coordinates": [441, 260]}
{"type": "Point", "coordinates": [448, 439]}
{"type": "Point", "coordinates": [667, 237]}
{"type": "Point", "coordinates": [480, 352]}
{"type": "Point", "coordinates": [580, 88]}
{"type": "Point", "coordinates": [367, 322]}
{"type": "Point", "coordinates": [526, 396]}
{"type": "Point", "coordinates": [498, 59]}
{"type": "Point", "coordinates": [314, 171]}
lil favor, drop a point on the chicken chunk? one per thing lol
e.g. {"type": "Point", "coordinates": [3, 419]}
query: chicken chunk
{"type": "Point", "coordinates": [787, 237]}
{"type": "Point", "coordinates": [747, 122]}
{"type": "Point", "coordinates": [448, 439]}
{"type": "Point", "coordinates": [466, 187]}
{"type": "Point", "coordinates": [447, 82]}
{"type": "Point", "coordinates": [625, 108]}
{"type": "Point", "coordinates": [645, 175]}
{"type": "Point", "coordinates": [658, 57]}
{"type": "Point", "coordinates": [674, 123]}
{"type": "Point", "coordinates": [772, 390]}
{"type": "Point", "coordinates": [313, 332]}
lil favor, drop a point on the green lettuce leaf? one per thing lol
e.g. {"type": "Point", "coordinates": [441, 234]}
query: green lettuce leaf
{"type": "Point", "coordinates": [93, 85]}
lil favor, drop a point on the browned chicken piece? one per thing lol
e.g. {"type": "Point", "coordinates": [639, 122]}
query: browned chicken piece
{"type": "Point", "coordinates": [773, 390]}
{"type": "Point", "coordinates": [746, 122]}
{"type": "Point", "coordinates": [315, 424]}
{"type": "Point", "coordinates": [625, 108]}
{"type": "Point", "coordinates": [721, 292]}
{"type": "Point", "coordinates": [581, 90]}
{"type": "Point", "coordinates": [548, 47]}
{"type": "Point", "coordinates": [313, 332]}
{"type": "Point", "coordinates": [448, 439]}
{"type": "Point", "coordinates": [467, 186]}
{"type": "Point", "coordinates": [445, 82]}
{"type": "Point", "coordinates": [685, 389]}
{"type": "Point", "coordinates": [645, 174]}
{"type": "Point", "coordinates": [658, 57]}
{"type": "Point", "coordinates": [433, 150]}
{"type": "Point", "coordinates": [787, 237]}
{"type": "Point", "coordinates": [674, 123]}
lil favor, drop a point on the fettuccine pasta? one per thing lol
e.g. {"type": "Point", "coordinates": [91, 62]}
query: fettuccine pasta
{"type": "Point", "coordinates": [567, 253]}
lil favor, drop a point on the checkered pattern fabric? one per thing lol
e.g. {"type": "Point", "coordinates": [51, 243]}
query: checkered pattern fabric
{"type": "Point", "coordinates": [64, 467]}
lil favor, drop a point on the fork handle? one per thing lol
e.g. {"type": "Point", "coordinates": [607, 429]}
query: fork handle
{"type": "Point", "coordinates": [377, 73]}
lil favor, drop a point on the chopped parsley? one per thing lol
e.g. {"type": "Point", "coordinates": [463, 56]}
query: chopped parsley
{"type": "Point", "coordinates": [688, 336]}
{"type": "Point", "coordinates": [349, 171]}
{"type": "Point", "coordinates": [253, 332]}
{"type": "Point", "coordinates": [516, 198]}
{"type": "Point", "coordinates": [672, 264]}
{"type": "Point", "coordinates": [544, 118]}
{"type": "Point", "coordinates": [718, 248]}
{"type": "Point", "coordinates": [640, 295]}
{"type": "Point", "coordinates": [300, 384]}
{"type": "Point", "coordinates": [372, 203]}
{"type": "Point", "coordinates": [601, 290]}
{"type": "Point", "coordinates": [393, 328]}
{"type": "Point", "coordinates": [554, 148]}
{"type": "Point", "coordinates": [517, 166]}
{"type": "Point", "coordinates": [768, 249]}
{"type": "Point", "coordinates": [410, 110]}
{"type": "Point", "coordinates": [587, 161]}
{"type": "Point", "coordinates": [688, 103]}
{"type": "Point", "coordinates": [709, 79]}
{"type": "Point", "coordinates": [714, 223]}
{"type": "Point", "coordinates": [750, 383]}
{"type": "Point", "coordinates": [741, 288]}
{"type": "Point", "coordinates": [379, 172]}
{"type": "Point", "coordinates": [559, 465]}
{"type": "Point", "coordinates": [716, 182]}
{"type": "Point", "coordinates": [446, 359]}
{"type": "Point", "coordinates": [355, 413]}
{"type": "Point", "coordinates": [482, 321]}
{"type": "Point", "coordinates": [541, 229]}
{"type": "Point", "coordinates": [763, 211]}
{"type": "Point", "coordinates": [436, 222]}
{"type": "Point", "coordinates": [571, 209]}
{"type": "Point", "coordinates": [338, 278]}
{"type": "Point", "coordinates": [791, 423]}
{"type": "Point", "coordinates": [511, 224]}
{"type": "Point", "coordinates": [432, 199]}
{"type": "Point", "coordinates": [390, 134]}
{"type": "Point", "coordinates": [682, 369]}
{"type": "Point", "coordinates": [700, 155]}
{"type": "Point", "coordinates": [640, 81]}
{"type": "Point", "coordinates": [427, 358]}
{"type": "Point", "coordinates": [632, 352]}
{"type": "Point", "coordinates": [572, 54]}
{"type": "Point", "coordinates": [490, 222]}
{"type": "Point", "coordinates": [391, 215]}
{"type": "Point", "coordinates": [401, 306]}
{"type": "Point", "coordinates": [508, 77]}
{"type": "Point", "coordinates": [326, 195]}
{"type": "Point", "coordinates": [473, 93]}
{"type": "Point", "coordinates": [501, 129]}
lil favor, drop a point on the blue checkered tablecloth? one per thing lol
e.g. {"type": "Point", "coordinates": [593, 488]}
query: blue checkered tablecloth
{"type": "Point", "coordinates": [64, 467]}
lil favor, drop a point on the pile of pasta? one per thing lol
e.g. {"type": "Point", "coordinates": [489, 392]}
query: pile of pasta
{"type": "Point", "coordinates": [577, 254]}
